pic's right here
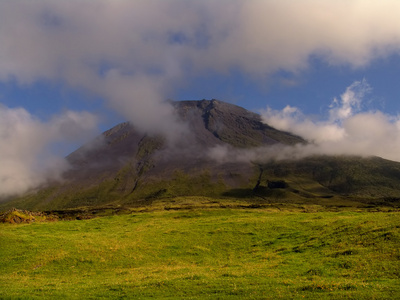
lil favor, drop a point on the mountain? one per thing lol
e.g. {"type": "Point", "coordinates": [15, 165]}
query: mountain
{"type": "Point", "coordinates": [126, 167]}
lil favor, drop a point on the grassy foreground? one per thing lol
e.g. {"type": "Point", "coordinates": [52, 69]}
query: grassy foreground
{"type": "Point", "coordinates": [205, 254]}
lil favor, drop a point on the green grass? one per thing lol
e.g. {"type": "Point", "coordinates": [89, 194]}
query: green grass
{"type": "Point", "coordinates": [205, 254]}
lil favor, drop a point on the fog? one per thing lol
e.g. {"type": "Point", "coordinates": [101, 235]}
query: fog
{"type": "Point", "coordinates": [27, 147]}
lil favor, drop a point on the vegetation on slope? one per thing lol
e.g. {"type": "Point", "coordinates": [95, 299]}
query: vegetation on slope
{"type": "Point", "coordinates": [329, 181]}
{"type": "Point", "coordinates": [372, 177]}
{"type": "Point", "coordinates": [125, 167]}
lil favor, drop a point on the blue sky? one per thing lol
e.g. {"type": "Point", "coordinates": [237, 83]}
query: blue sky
{"type": "Point", "coordinates": [326, 70]}
{"type": "Point", "coordinates": [313, 92]}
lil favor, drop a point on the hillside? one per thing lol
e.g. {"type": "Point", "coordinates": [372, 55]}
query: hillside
{"type": "Point", "coordinates": [126, 167]}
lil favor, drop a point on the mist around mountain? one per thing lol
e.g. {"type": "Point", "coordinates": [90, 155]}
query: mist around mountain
{"type": "Point", "coordinates": [220, 151]}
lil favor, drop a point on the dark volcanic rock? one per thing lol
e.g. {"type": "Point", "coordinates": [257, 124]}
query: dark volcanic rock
{"type": "Point", "coordinates": [230, 124]}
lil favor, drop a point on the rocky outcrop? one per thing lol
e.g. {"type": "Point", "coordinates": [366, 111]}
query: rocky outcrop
{"type": "Point", "coordinates": [17, 216]}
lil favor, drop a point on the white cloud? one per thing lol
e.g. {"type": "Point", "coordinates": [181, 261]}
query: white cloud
{"type": "Point", "coordinates": [350, 101]}
{"type": "Point", "coordinates": [25, 157]}
{"type": "Point", "coordinates": [155, 46]}
{"type": "Point", "coordinates": [349, 130]}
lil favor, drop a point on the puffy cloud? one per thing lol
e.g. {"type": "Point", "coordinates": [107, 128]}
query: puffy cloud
{"type": "Point", "coordinates": [350, 101]}
{"type": "Point", "coordinates": [25, 157]}
{"type": "Point", "coordinates": [156, 46]}
{"type": "Point", "coordinates": [348, 130]}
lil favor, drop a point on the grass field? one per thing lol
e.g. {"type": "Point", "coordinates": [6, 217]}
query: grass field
{"type": "Point", "coordinates": [209, 253]}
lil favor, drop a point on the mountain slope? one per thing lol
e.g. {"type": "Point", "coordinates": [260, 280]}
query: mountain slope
{"type": "Point", "coordinates": [370, 180]}
{"type": "Point", "coordinates": [125, 166]}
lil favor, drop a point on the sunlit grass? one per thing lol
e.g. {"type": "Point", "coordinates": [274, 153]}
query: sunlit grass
{"type": "Point", "coordinates": [205, 254]}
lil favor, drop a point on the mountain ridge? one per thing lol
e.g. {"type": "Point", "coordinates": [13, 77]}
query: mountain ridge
{"type": "Point", "coordinates": [125, 166]}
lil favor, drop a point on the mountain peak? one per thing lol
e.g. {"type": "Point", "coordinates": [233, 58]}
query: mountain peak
{"type": "Point", "coordinates": [126, 166]}
{"type": "Point", "coordinates": [232, 124]}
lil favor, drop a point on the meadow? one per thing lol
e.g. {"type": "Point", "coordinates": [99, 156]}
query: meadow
{"type": "Point", "coordinates": [208, 253]}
